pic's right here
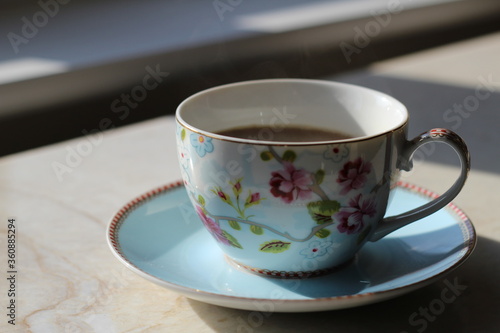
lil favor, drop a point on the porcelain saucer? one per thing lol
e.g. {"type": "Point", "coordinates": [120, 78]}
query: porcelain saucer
{"type": "Point", "coordinates": [159, 236]}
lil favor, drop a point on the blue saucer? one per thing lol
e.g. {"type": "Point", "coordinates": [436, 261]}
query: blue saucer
{"type": "Point", "coordinates": [159, 236]}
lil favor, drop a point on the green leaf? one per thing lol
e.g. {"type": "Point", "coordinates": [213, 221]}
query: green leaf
{"type": "Point", "coordinates": [235, 225]}
{"type": "Point", "coordinates": [183, 134]}
{"type": "Point", "coordinates": [289, 156]}
{"type": "Point", "coordinates": [266, 156]}
{"type": "Point", "coordinates": [322, 211]}
{"type": "Point", "coordinates": [364, 234]}
{"type": "Point", "coordinates": [319, 176]}
{"type": "Point", "coordinates": [256, 230]}
{"type": "Point", "coordinates": [231, 239]}
{"type": "Point", "coordinates": [201, 200]}
{"type": "Point", "coordinates": [274, 246]}
{"type": "Point", "coordinates": [323, 233]}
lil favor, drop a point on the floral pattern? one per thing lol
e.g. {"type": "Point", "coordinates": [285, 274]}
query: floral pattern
{"type": "Point", "coordinates": [253, 198]}
{"type": "Point", "coordinates": [290, 183]}
{"type": "Point", "coordinates": [201, 144]}
{"type": "Point", "coordinates": [351, 218]}
{"type": "Point", "coordinates": [240, 206]}
{"type": "Point", "coordinates": [213, 227]}
{"type": "Point", "coordinates": [317, 249]}
{"type": "Point", "coordinates": [184, 158]}
{"type": "Point", "coordinates": [336, 153]}
{"type": "Point", "coordinates": [354, 175]}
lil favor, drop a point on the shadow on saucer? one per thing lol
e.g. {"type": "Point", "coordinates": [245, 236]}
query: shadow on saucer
{"type": "Point", "coordinates": [466, 300]}
{"type": "Point", "coordinates": [379, 264]}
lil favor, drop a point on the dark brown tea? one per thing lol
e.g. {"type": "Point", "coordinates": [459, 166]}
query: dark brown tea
{"type": "Point", "coordinates": [292, 133]}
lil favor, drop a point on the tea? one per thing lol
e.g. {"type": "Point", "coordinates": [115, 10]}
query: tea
{"type": "Point", "coordinates": [293, 133]}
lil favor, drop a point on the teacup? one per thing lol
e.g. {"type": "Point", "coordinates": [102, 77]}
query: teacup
{"type": "Point", "coordinates": [280, 193]}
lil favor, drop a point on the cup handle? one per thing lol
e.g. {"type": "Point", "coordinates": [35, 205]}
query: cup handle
{"type": "Point", "coordinates": [392, 223]}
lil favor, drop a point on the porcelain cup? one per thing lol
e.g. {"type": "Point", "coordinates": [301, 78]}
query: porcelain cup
{"type": "Point", "coordinates": [299, 209]}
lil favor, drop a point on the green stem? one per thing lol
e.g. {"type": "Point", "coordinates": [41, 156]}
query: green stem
{"type": "Point", "coordinates": [241, 213]}
{"type": "Point", "coordinates": [275, 155]}
{"type": "Point", "coordinates": [319, 191]}
{"type": "Point", "coordinates": [314, 230]}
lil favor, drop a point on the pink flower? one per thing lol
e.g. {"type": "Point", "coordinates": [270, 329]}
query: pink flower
{"type": "Point", "coordinates": [213, 227]}
{"type": "Point", "coordinates": [222, 195]}
{"type": "Point", "coordinates": [253, 199]}
{"type": "Point", "coordinates": [351, 218]}
{"type": "Point", "coordinates": [237, 188]}
{"type": "Point", "coordinates": [353, 175]}
{"type": "Point", "coordinates": [290, 183]}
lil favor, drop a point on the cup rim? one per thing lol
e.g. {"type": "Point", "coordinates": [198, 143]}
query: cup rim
{"type": "Point", "coordinates": [209, 134]}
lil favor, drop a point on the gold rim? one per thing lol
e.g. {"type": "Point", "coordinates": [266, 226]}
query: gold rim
{"type": "Point", "coordinates": [284, 144]}
{"type": "Point", "coordinates": [212, 135]}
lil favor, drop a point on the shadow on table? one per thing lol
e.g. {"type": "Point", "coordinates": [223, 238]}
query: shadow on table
{"type": "Point", "coordinates": [466, 300]}
{"type": "Point", "coordinates": [472, 112]}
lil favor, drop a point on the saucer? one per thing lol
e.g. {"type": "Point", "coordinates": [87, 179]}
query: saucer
{"type": "Point", "coordinates": [159, 236]}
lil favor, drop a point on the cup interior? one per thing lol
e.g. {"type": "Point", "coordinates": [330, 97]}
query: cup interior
{"type": "Point", "coordinates": [357, 111]}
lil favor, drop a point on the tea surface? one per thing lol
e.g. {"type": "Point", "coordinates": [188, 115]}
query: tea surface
{"type": "Point", "coordinates": [284, 134]}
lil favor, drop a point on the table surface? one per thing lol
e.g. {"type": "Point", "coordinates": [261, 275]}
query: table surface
{"type": "Point", "coordinates": [63, 196]}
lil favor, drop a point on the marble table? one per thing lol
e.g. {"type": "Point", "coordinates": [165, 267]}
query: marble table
{"type": "Point", "coordinates": [60, 199]}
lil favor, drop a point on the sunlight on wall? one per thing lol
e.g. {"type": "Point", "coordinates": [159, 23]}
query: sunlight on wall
{"type": "Point", "coordinates": [29, 68]}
